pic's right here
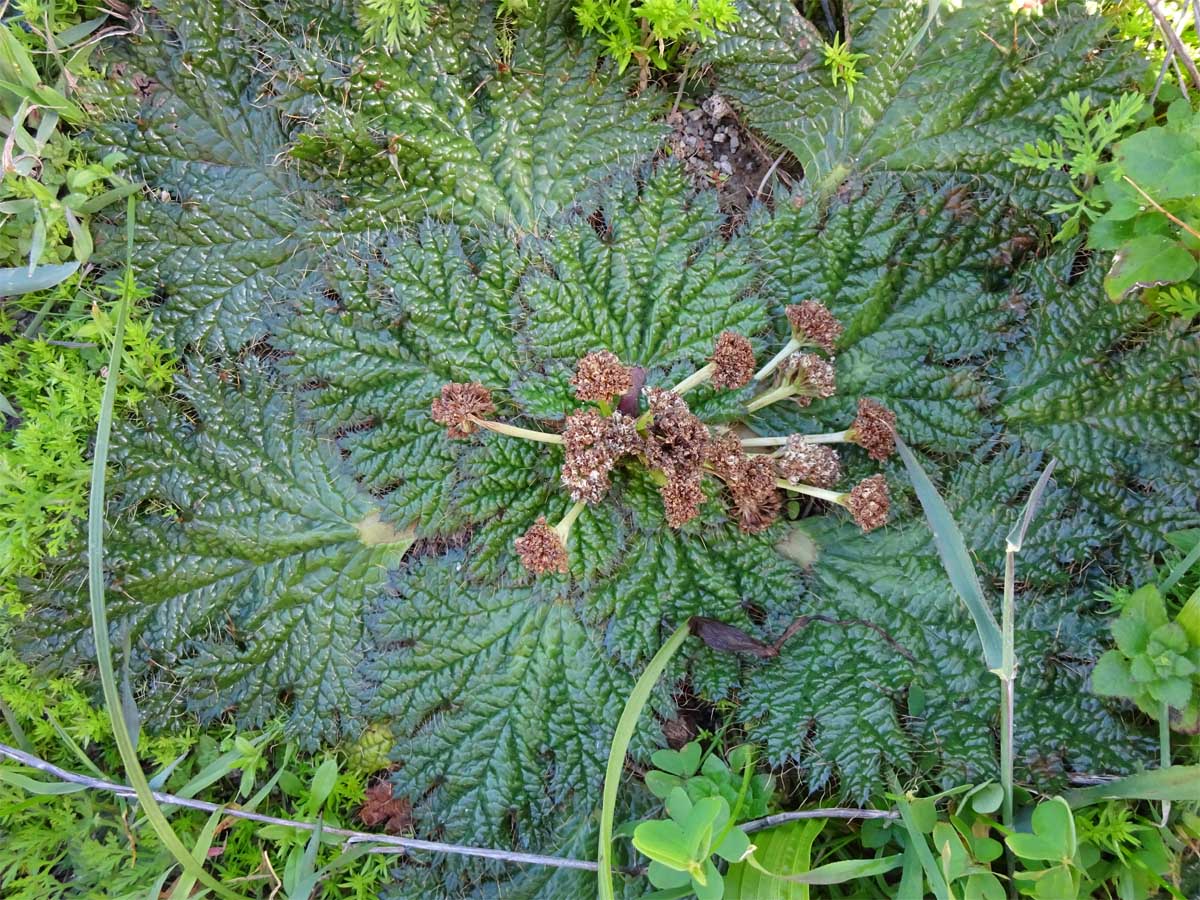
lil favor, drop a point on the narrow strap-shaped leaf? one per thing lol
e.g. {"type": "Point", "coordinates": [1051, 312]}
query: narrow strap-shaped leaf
{"type": "Point", "coordinates": [620, 744]}
{"type": "Point", "coordinates": [25, 783]}
{"type": "Point", "coordinates": [957, 561]}
{"type": "Point", "coordinates": [108, 679]}
{"type": "Point", "coordinates": [16, 281]}
{"type": "Point", "coordinates": [1179, 783]}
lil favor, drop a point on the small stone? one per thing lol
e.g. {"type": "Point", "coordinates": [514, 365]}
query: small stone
{"type": "Point", "coordinates": [717, 107]}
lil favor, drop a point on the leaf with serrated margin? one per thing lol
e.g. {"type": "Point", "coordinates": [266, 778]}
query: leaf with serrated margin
{"type": "Point", "coordinates": [1112, 397]}
{"type": "Point", "coordinates": [902, 118]}
{"type": "Point", "coordinates": [243, 578]}
{"type": "Point", "coordinates": [444, 127]}
{"type": "Point", "coordinates": [227, 224]}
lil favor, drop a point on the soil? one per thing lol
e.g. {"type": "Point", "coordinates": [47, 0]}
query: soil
{"type": "Point", "coordinates": [717, 151]}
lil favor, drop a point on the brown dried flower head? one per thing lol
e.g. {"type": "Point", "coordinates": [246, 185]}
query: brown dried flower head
{"type": "Point", "coordinates": [805, 463]}
{"type": "Point", "coordinates": [812, 376]}
{"type": "Point", "coordinates": [601, 376]}
{"type": "Point", "coordinates": [458, 403]}
{"type": "Point", "coordinates": [724, 455]}
{"type": "Point", "coordinates": [682, 498]}
{"type": "Point", "coordinates": [750, 481]}
{"type": "Point", "coordinates": [869, 502]}
{"type": "Point", "coordinates": [733, 361]}
{"type": "Point", "coordinates": [675, 439]}
{"type": "Point", "coordinates": [874, 429]}
{"type": "Point", "coordinates": [592, 444]}
{"type": "Point", "coordinates": [813, 323]}
{"type": "Point", "coordinates": [756, 498]}
{"type": "Point", "coordinates": [541, 549]}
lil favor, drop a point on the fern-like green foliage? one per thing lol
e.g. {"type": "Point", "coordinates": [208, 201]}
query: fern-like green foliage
{"type": "Point", "coordinates": [948, 98]}
{"type": "Point", "coordinates": [493, 223]}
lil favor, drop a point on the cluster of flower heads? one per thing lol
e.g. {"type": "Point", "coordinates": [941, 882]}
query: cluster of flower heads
{"type": "Point", "coordinates": [680, 451]}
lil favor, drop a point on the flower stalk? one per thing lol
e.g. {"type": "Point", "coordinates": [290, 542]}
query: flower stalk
{"type": "Point", "coordinates": [868, 502]}
{"type": "Point", "coordinates": [563, 528]}
{"type": "Point", "coordinates": [804, 376]}
{"type": "Point", "coordinates": [788, 349]}
{"type": "Point", "coordinates": [813, 326]}
{"type": "Point", "coordinates": [525, 434]}
{"type": "Point", "coordinates": [696, 379]}
{"type": "Point", "coordinates": [811, 490]}
{"type": "Point", "coordinates": [873, 429]}
{"type": "Point", "coordinates": [780, 440]}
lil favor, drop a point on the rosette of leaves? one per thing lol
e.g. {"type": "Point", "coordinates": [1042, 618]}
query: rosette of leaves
{"type": "Point", "coordinates": [1009, 75]}
{"type": "Point", "coordinates": [536, 670]}
{"type": "Point", "coordinates": [1156, 662]}
{"type": "Point", "coordinates": [255, 565]}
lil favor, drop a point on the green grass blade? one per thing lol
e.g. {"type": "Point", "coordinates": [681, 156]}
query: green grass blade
{"type": "Point", "coordinates": [21, 280]}
{"type": "Point", "coordinates": [1016, 537]}
{"type": "Point", "coordinates": [186, 883]}
{"type": "Point", "coordinates": [933, 872]}
{"type": "Point", "coordinates": [1180, 783]}
{"type": "Point", "coordinates": [957, 561]}
{"type": "Point", "coordinates": [626, 725]}
{"type": "Point", "coordinates": [1184, 566]}
{"type": "Point", "coordinates": [41, 788]}
{"type": "Point", "coordinates": [14, 726]}
{"type": "Point", "coordinates": [108, 681]}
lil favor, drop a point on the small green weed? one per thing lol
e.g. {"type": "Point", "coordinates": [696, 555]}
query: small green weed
{"type": "Point", "coordinates": [843, 65]}
{"type": "Point", "coordinates": [50, 378]}
{"type": "Point", "coordinates": [652, 32]}
{"type": "Point", "coordinates": [1156, 662]}
{"type": "Point", "coordinates": [1136, 193]}
{"type": "Point", "coordinates": [55, 845]}
{"type": "Point", "coordinates": [50, 187]}
{"type": "Point", "coordinates": [1085, 135]}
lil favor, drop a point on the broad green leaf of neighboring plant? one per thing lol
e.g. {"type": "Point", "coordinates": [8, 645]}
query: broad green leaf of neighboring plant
{"type": "Point", "coordinates": [901, 118]}
{"type": "Point", "coordinates": [243, 576]}
{"type": "Point", "coordinates": [444, 126]}
{"type": "Point", "coordinates": [1156, 662]}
